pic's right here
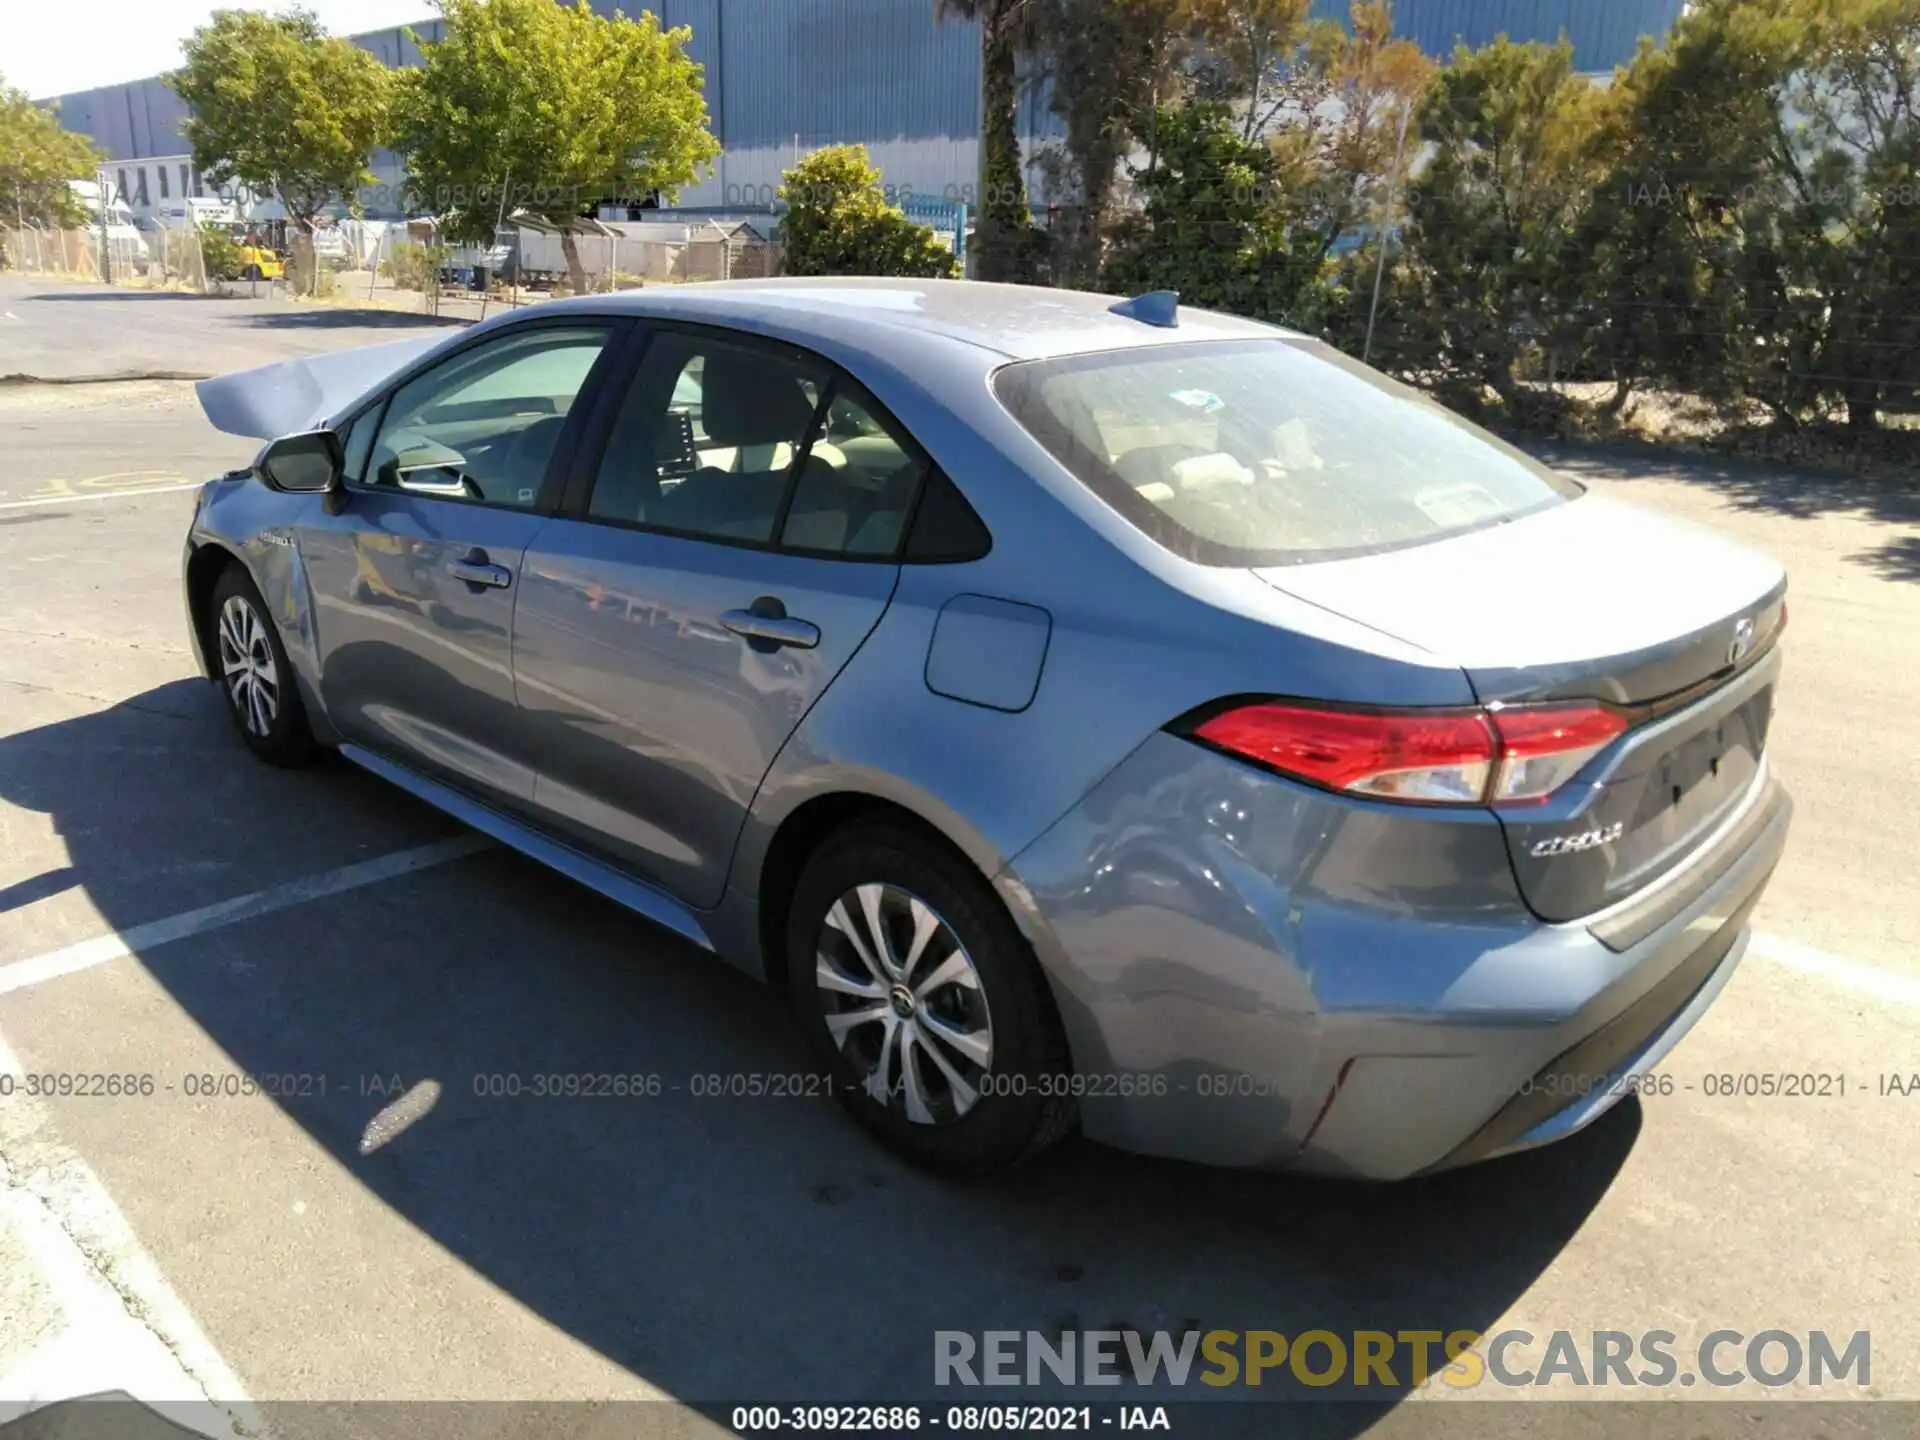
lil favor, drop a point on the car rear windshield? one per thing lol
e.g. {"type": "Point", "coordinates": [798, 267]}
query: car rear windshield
{"type": "Point", "coordinates": [1271, 452]}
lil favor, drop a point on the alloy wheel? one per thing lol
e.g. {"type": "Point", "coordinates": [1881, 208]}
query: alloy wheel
{"type": "Point", "coordinates": [247, 665]}
{"type": "Point", "coordinates": [903, 1003]}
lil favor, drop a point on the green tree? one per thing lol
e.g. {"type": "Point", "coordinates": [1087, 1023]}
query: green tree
{"type": "Point", "coordinates": [1754, 238]}
{"type": "Point", "coordinates": [38, 156]}
{"type": "Point", "coordinates": [838, 222]}
{"type": "Point", "coordinates": [1333, 119]}
{"type": "Point", "coordinates": [1250, 51]}
{"type": "Point", "coordinates": [283, 108]}
{"type": "Point", "coordinates": [1491, 238]}
{"type": "Point", "coordinates": [1846, 151]}
{"type": "Point", "coordinates": [1689, 165]}
{"type": "Point", "coordinates": [555, 106]}
{"type": "Point", "coordinates": [1206, 229]}
{"type": "Point", "coordinates": [1007, 245]}
{"type": "Point", "coordinates": [1115, 65]}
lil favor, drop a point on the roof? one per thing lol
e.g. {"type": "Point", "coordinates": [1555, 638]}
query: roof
{"type": "Point", "coordinates": [1020, 322]}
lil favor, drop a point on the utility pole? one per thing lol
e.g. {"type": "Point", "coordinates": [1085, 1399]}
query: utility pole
{"type": "Point", "coordinates": [499, 221]}
{"type": "Point", "coordinates": [106, 243]}
{"type": "Point", "coordinates": [1386, 224]}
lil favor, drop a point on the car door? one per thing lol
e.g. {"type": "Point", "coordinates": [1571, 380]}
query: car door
{"type": "Point", "coordinates": [723, 560]}
{"type": "Point", "coordinates": [415, 578]}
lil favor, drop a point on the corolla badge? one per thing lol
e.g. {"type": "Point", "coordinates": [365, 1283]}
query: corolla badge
{"type": "Point", "coordinates": [1574, 844]}
{"type": "Point", "coordinates": [1742, 642]}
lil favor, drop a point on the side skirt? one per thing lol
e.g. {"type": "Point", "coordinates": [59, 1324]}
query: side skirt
{"type": "Point", "coordinates": [623, 889]}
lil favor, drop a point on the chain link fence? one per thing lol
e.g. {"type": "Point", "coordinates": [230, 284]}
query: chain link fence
{"type": "Point", "coordinates": [150, 259]}
{"type": "Point", "coordinates": [405, 265]}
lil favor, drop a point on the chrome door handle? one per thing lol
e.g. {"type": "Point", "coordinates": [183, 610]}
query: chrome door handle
{"type": "Point", "coordinates": [479, 572]}
{"type": "Point", "coordinates": [772, 631]}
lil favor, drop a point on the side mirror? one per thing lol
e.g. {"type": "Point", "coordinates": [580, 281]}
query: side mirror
{"type": "Point", "coordinates": [306, 464]}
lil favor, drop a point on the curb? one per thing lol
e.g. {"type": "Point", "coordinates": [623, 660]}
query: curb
{"type": "Point", "coordinates": [104, 378]}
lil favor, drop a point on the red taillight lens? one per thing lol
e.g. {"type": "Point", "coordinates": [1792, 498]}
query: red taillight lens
{"type": "Point", "coordinates": [1443, 758]}
{"type": "Point", "coordinates": [1436, 758]}
{"type": "Point", "coordinates": [1540, 750]}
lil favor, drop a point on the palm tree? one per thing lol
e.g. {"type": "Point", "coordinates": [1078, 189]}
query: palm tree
{"type": "Point", "coordinates": [1006, 26]}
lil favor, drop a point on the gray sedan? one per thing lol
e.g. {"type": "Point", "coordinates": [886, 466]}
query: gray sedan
{"type": "Point", "coordinates": [1089, 713]}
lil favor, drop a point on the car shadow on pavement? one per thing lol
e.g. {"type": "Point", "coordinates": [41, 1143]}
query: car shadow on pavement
{"type": "Point", "coordinates": [723, 1247]}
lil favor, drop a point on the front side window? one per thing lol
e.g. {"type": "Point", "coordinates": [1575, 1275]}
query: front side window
{"type": "Point", "coordinates": [483, 426]}
{"type": "Point", "coordinates": [1269, 452]}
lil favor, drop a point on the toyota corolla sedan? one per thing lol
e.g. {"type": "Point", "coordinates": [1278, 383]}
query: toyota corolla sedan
{"type": "Point", "coordinates": [1089, 713]}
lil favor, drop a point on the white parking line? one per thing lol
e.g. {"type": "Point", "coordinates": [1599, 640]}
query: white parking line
{"type": "Point", "coordinates": [88, 953]}
{"type": "Point", "coordinates": [1889, 985]}
{"type": "Point", "coordinates": [99, 495]}
{"type": "Point", "coordinates": [107, 1317]}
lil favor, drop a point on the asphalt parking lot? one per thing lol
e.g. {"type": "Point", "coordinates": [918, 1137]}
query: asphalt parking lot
{"type": "Point", "coordinates": [384, 1230]}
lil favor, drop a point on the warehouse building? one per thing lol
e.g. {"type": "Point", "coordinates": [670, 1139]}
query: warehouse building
{"type": "Point", "coordinates": [787, 76]}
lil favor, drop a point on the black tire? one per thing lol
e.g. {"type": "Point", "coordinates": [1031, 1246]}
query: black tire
{"type": "Point", "coordinates": [252, 272]}
{"type": "Point", "coordinates": [1025, 1103]}
{"type": "Point", "coordinates": [265, 690]}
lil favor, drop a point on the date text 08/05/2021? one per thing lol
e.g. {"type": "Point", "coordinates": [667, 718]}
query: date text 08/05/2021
{"type": "Point", "coordinates": [811, 1085]}
{"type": "Point", "coordinates": [960, 1419]}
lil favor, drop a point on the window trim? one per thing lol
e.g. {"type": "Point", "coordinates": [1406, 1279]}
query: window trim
{"type": "Point", "coordinates": [620, 335]}
{"type": "Point", "coordinates": [578, 496]}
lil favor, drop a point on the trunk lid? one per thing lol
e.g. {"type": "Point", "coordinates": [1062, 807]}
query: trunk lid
{"type": "Point", "coordinates": [1594, 600]}
{"type": "Point", "coordinates": [297, 395]}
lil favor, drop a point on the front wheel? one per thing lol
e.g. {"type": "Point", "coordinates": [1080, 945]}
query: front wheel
{"type": "Point", "coordinates": [263, 699]}
{"type": "Point", "coordinates": [921, 996]}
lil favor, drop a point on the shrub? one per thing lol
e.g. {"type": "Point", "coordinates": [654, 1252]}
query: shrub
{"type": "Point", "coordinates": [412, 266]}
{"type": "Point", "coordinates": [838, 222]}
{"type": "Point", "coordinates": [218, 252]}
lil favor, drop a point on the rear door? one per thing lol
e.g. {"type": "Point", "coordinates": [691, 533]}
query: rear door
{"type": "Point", "coordinates": [731, 546]}
{"type": "Point", "coordinates": [415, 580]}
{"type": "Point", "coordinates": [1595, 600]}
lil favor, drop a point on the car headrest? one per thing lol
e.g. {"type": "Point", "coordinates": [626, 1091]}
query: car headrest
{"type": "Point", "coordinates": [746, 401]}
{"type": "Point", "coordinates": [532, 449]}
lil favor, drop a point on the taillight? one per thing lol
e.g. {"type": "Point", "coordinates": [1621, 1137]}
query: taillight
{"type": "Point", "coordinates": [1437, 757]}
{"type": "Point", "coordinates": [1542, 749]}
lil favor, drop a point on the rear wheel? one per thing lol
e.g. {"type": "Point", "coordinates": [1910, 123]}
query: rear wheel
{"type": "Point", "coordinates": [255, 675]}
{"type": "Point", "coordinates": [920, 994]}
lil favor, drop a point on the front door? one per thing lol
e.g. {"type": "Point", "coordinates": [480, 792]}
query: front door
{"type": "Point", "coordinates": [416, 579]}
{"type": "Point", "coordinates": [729, 560]}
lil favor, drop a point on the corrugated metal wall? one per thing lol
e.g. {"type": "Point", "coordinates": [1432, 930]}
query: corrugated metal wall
{"type": "Point", "coordinates": [1604, 33]}
{"type": "Point", "coordinates": [790, 75]}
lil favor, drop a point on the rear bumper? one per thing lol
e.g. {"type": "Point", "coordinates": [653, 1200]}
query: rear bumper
{"type": "Point", "coordinates": [1690, 957]}
{"type": "Point", "coordinates": [1350, 999]}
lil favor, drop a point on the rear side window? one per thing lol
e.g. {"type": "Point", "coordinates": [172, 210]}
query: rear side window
{"type": "Point", "coordinates": [856, 483]}
{"type": "Point", "coordinates": [706, 439]}
{"type": "Point", "coordinates": [945, 527]}
{"type": "Point", "coordinates": [1270, 452]}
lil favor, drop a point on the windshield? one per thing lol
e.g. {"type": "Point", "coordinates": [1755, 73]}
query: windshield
{"type": "Point", "coordinates": [1270, 452]}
